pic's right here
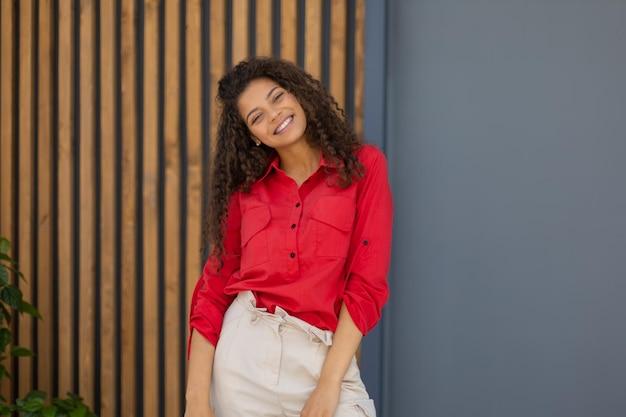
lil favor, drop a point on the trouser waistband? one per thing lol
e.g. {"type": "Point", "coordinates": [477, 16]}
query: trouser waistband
{"type": "Point", "coordinates": [280, 316]}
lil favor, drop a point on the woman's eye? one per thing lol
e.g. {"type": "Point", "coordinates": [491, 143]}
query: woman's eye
{"type": "Point", "coordinates": [256, 118]}
{"type": "Point", "coordinates": [277, 97]}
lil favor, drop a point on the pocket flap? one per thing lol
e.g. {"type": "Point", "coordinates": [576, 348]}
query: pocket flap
{"type": "Point", "coordinates": [335, 211]}
{"type": "Point", "coordinates": [253, 221]}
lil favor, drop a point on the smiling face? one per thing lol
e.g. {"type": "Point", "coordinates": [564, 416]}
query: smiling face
{"type": "Point", "coordinates": [272, 114]}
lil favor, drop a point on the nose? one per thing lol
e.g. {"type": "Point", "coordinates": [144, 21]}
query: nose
{"type": "Point", "coordinates": [275, 114]}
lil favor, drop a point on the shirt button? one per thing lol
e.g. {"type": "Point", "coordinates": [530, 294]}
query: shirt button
{"type": "Point", "coordinates": [293, 255]}
{"type": "Point", "coordinates": [366, 242]}
{"type": "Point", "coordinates": [297, 204]}
{"type": "Point", "coordinates": [293, 226]}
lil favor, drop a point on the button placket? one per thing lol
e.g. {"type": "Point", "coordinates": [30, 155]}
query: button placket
{"type": "Point", "coordinates": [297, 214]}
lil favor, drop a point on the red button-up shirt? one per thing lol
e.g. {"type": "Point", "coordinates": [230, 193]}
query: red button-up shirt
{"type": "Point", "coordinates": [305, 249]}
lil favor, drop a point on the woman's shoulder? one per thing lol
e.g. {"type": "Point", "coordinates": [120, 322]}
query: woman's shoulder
{"type": "Point", "coordinates": [370, 155]}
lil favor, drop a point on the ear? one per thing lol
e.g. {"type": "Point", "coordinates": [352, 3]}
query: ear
{"type": "Point", "coordinates": [256, 140]}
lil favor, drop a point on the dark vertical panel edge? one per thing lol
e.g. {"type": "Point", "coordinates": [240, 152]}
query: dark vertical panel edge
{"type": "Point", "coordinates": [16, 171]}
{"type": "Point", "coordinates": [183, 204]}
{"type": "Point", "coordinates": [326, 27]}
{"type": "Point", "coordinates": [228, 27]}
{"type": "Point", "coordinates": [350, 59]}
{"type": "Point", "coordinates": [206, 109]}
{"type": "Point", "coordinates": [55, 199]}
{"type": "Point", "coordinates": [139, 305]}
{"type": "Point", "coordinates": [276, 27]}
{"type": "Point", "coordinates": [161, 206]}
{"type": "Point", "coordinates": [34, 279]}
{"type": "Point", "coordinates": [118, 206]}
{"type": "Point", "coordinates": [76, 194]}
{"type": "Point", "coordinates": [98, 213]}
{"type": "Point", "coordinates": [300, 45]}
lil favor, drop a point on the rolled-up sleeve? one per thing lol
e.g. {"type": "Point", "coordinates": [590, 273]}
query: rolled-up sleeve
{"type": "Point", "coordinates": [367, 289]}
{"type": "Point", "coordinates": [209, 301]}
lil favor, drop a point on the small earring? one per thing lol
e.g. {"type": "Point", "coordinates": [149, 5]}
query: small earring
{"type": "Point", "coordinates": [258, 143]}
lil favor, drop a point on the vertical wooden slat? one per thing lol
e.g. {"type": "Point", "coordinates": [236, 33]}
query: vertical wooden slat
{"type": "Point", "coordinates": [26, 183]}
{"type": "Point", "coordinates": [7, 91]}
{"type": "Point", "coordinates": [359, 61]}
{"type": "Point", "coordinates": [150, 207]}
{"type": "Point", "coordinates": [264, 27]}
{"type": "Point", "coordinates": [86, 322]}
{"type": "Point", "coordinates": [218, 57]}
{"type": "Point", "coordinates": [44, 211]}
{"type": "Point", "coordinates": [129, 206]}
{"type": "Point", "coordinates": [240, 30]}
{"type": "Point", "coordinates": [313, 38]}
{"type": "Point", "coordinates": [65, 211]}
{"type": "Point", "coordinates": [194, 191]}
{"type": "Point", "coordinates": [338, 51]}
{"type": "Point", "coordinates": [7, 150]}
{"type": "Point", "coordinates": [108, 221]}
{"type": "Point", "coordinates": [6, 115]}
{"type": "Point", "coordinates": [172, 206]}
{"type": "Point", "coordinates": [289, 30]}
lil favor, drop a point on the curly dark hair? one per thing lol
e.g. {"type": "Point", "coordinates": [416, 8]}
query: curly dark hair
{"type": "Point", "coordinates": [238, 162]}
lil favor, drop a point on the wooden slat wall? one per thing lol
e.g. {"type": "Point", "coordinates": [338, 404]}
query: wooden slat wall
{"type": "Point", "coordinates": [7, 136]}
{"type": "Point", "coordinates": [106, 122]}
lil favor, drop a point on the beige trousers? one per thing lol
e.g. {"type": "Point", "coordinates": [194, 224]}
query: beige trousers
{"type": "Point", "coordinates": [269, 364]}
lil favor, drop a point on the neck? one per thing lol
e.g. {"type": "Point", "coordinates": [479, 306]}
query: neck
{"type": "Point", "coordinates": [300, 163]}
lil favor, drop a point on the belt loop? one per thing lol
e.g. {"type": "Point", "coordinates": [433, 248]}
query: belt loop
{"type": "Point", "coordinates": [323, 336]}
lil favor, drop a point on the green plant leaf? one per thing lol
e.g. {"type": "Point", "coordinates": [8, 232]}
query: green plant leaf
{"type": "Point", "coordinates": [34, 404]}
{"type": "Point", "coordinates": [21, 351]}
{"type": "Point", "coordinates": [29, 309]}
{"type": "Point", "coordinates": [80, 411]}
{"type": "Point", "coordinates": [16, 271]}
{"type": "Point", "coordinates": [49, 411]}
{"type": "Point", "coordinates": [5, 245]}
{"type": "Point", "coordinates": [5, 314]}
{"type": "Point", "coordinates": [4, 275]}
{"type": "Point", "coordinates": [63, 404]}
{"type": "Point", "coordinates": [4, 373]}
{"type": "Point", "coordinates": [74, 397]}
{"type": "Point", "coordinates": [5, 257]}
{"type": "Point", "coordinates": [36, 394]}
{"type": "Point", "coordinates": [5, 411]}
{"type": "Point", "coordinates": [5, 338]}
{"type": "Point", "coordinates": [12, 296]}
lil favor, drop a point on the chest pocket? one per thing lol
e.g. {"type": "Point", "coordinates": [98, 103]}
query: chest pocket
{"type": "Point", "coordinates": [334, 219]}
{"type": "Point", "coordinates": [254, 240]}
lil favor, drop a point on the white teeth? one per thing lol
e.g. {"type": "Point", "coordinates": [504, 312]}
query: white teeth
{"type": "Point", "coordinates": [283, 125]}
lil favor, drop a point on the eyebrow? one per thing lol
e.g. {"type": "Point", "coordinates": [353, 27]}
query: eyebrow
{"type": "Point", "coordinates": [266, 97]}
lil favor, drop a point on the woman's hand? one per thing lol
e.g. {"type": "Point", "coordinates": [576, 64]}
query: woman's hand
{"type": "Point", "coordinates": [323, 401]}
{"type": "Point", "coordinates": [325, 397]}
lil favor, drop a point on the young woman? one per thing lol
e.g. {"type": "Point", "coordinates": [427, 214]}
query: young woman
{"type": "Point", "coordinates": [299, 225]}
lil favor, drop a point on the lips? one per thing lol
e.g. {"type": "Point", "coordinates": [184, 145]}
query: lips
{"type": "Point", "coordinates": [283, 125]}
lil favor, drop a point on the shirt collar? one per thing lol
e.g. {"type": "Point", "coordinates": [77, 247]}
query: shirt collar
{"type": "Point", "coordinates": [273, 166]}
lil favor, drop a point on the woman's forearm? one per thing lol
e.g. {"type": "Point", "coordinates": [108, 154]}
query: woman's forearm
{"type": "Point", "coordinates": [346, 340]}
{"type": "Point", "coordinates": [201, 354]}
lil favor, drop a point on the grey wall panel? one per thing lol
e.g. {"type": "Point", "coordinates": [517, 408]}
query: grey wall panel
{"type": "Point", "coordinates": [372, 352]}
{"type": "Point", "coordinates": [506, 140]}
